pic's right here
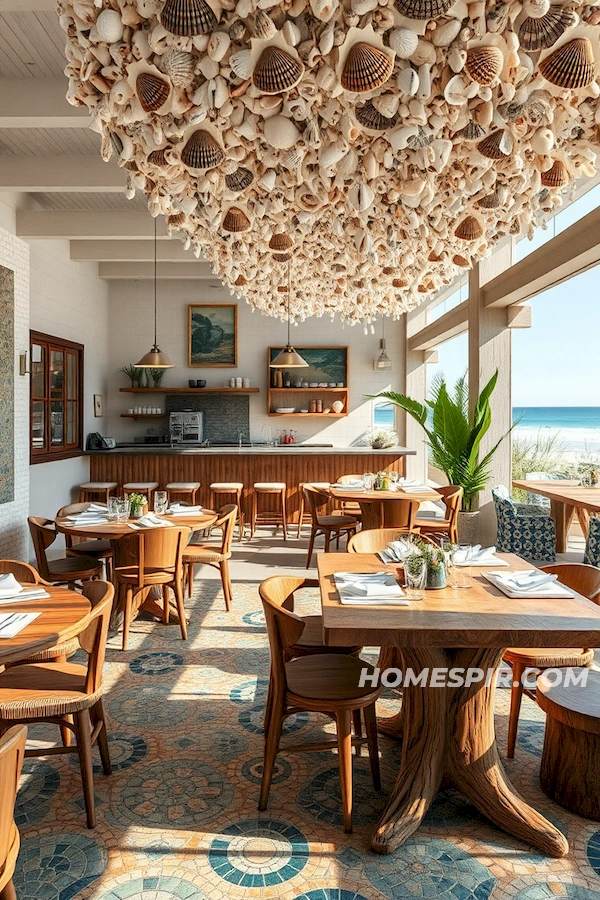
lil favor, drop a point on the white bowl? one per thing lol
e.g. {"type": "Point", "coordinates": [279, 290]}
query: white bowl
{"type": "Point", "coordinates": [286, 409]}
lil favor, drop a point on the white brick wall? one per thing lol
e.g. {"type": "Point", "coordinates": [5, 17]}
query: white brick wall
{"type": "Point", "coordinates": [14, 254]}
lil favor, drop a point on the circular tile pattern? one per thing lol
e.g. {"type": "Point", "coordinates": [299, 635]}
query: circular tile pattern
{"type": "Point", "coordinates": [157, 662]}
{"type": "Point", "coordinates": [162, 887]}
{"type": "Point", "coordinates": [39, 782]}
{"type": "Point", "coordinates": [222, 743]}
{"type": "Point", "coordinates": [125, 750]}
{"type": "Point", "coordinates": [321, 797]}
{"type": "Point", "coordinates": [255, 619]}
{"type": "Point", "coordinates": [176, 793]}
{"type": "Point", "coordinates": [450, 809]}
{"type": "Point", "coordinates": [427, 867]}
{"type": "Point", "coordinates": [57, 866]}
{"type": "Point", "coordinates": [593, 852]}
{"type": "Point", "coordinates": [250, 691]}
{"type": "Point", "coordinates": [252, 770]}
{"type": "Point", "coordinates": [152, 707]}
{"type": "Point", "coordinates": [252, 720]}
{"type": "Point", "coordinates": [259, 853]}
{"type": "Point", "coordinates": [330, 894]}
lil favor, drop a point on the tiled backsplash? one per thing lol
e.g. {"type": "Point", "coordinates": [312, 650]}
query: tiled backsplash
{"type": "Point", "coordinates": [224, 416]}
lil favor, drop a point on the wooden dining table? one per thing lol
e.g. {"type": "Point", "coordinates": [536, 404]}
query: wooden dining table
{"type": "Point", "coordinates": [567, 498]}
{"type": "Point", "coordinates": [63, 615]}
{"type": "Point", "coordinates": [382, 509]}
{"type": "Point", "coordinates": [447, 732]}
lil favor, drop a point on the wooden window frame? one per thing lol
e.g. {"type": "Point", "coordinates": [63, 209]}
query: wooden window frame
{"type": "Point", "coordinates": [63, 451]}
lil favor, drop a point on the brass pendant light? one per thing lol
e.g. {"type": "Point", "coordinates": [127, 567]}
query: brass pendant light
{"type": "Point", "coordinates": [155, 358]}
{"type": "Point", "coordinates": [288, 358]}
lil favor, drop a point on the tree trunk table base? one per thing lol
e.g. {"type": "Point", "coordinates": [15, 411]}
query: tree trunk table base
{"type": "Point", "coordinates": [448, 738]}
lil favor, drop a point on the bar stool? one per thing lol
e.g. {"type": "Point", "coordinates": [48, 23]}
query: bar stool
{"type": "Point", "coordinates": [269, 516]}
{"type": "Point", "coordinates": [232, 490]}
{"type": "Point", "coordinates": [187, 489]}
{"type": "Point", "coordinates": [96, 490]}
{"type": "Point", "coordinates": [141, 487]}
{"type": "Point", "coordinates": [305, 518]}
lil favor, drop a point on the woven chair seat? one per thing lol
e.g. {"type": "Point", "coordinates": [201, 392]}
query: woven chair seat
{"type": "Point", "coordinates": [66, 649]}
{"type": "Point", "coordinates": [199, 553]}
{"type": "Point", "coordinates": [549, 657]}
{"type": "Point", "coordinates": [40, 690]}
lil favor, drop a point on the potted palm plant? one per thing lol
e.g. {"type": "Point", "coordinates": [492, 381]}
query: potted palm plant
{"type": "Point", "coordinates": [454, 437]}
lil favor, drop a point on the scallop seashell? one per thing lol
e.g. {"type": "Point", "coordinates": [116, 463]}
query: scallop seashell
{"type": "Point", "coordinates": [469, 229]}
{"type": "Point", "coordinates": [557, 176]}
{"type": "Point", "coordinates": [109, 26]}
{"type": "Point", "coordinates": [542, 141]}
{"type": "Point", "coordinates": [241, 63]}
{"type": "Point", "coordinates": [495, 146]}
{"type": "Point", "coordinates": [235, 220]}
{"type": "Point", "coordinates": [281, 257]}
{"type": "Point", "coordinates": [240, 179]}
{"type": "Point", "coordinates": [423, 9]}
{"type": "Point", "coordinates": [542, 33]}
{"type": "Point", "coordinates": [240, 281]}
{"type": "Point", "coordinates": [158, 158]}
{"type": "Point", "coordinates": [188, 17]}
{"type": "Point", "coordinates": [276, 71]}
{"type": "Point", "coordinates": [370, 117]}
{"type": "Point", "coordinates": [280, 241]}
{"type": "Point", "coordinates": [152, 91]}
{"type": "Point", "coordinates": [459, 260]}
{"type": "Point", "coordinates": [473, 131]}
{"type": "Point", "coordinates": [571, 66]}
{"type": "Point", "coordinates": [263, 26]}
{"type": "Point", "coordinates": [490, 201]}
{"type": "Point", "coordinates": [366, 68]}
{"type": "Point", "coordinates": [280, 132]}
{"type": "Point", "coordinates": [404, 42]}
{"type": "Point", "coordinates": [202, 151]}
{"type": "Point", "coordinates": [179, 66]}
{"type": "Point", "coordinates": [484, 64]}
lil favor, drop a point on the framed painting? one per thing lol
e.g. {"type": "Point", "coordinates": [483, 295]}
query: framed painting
{"type": "Point", "coordinates": [212, 335]}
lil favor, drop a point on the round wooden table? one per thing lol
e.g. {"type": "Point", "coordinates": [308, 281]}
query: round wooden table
{"type": "Point", "coordinates": [63, 615]}
{"type": "Point", "coordinates": [383, 509]}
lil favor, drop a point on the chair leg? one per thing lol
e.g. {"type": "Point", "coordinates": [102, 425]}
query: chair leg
{"type": "Point", "coordinates": [127, 616]}
{"type": "Point", "coordinates": [272, 738]}
{"type": "Point", "coordinates": [226, 583]}
{"type": "Point", "coordinates": [284, 515]}
{"type": "Point", "coordinates": [254, 513]}
{"type": "Point", "coordinates": [8, 891]}
{"type": "Point", "coordinates": [344, 740]}
{"type": "Point", "coordinates": [372, 743]}
{"type": "Point", "coordinates": [300, 514]}
{"type": "Point", "coordinates": [311, 545]}
{"type": "Point", "coordinates": [97, 715]}
{"type": "Point", "coordinates": [516, 695]}
{"type": "Point", "coordinates": [66, 733]}
{"type": "Point", "coordinates": [165, 595]}
{"type": "Point", "coordinates": [268, 708]}
{"type": "Point", "coordinates": [178, 591]}
{"type": "Point", "coordinates": [81, 721]}
{"type": "Point", "coordinates": [327, 540]}
{"type": "Point", "coordinates": [358, 732]}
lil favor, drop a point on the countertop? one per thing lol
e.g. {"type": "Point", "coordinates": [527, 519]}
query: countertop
{"type": "Point", "coordinates": [247, 450]}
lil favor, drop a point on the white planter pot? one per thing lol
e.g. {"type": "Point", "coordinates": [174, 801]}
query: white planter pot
{"type": "Point", "coordinates": [468, 527]}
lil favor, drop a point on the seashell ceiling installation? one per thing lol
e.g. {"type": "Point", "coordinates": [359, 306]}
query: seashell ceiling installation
{"type": "Point", "coordinates": [378, 148]}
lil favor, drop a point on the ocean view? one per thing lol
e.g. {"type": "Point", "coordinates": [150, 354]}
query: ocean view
{"type": "Point", "coordinates": [577, 427]}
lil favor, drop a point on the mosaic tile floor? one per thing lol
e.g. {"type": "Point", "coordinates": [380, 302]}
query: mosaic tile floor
{"type": "Point", "coordinates": [178, 817]}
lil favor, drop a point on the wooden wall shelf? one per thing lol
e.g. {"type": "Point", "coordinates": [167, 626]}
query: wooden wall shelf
{"type": "Point", "coordinates": [143, 415]}
{"type": "Point", "coordinates": [309, 415]}
{"type": "Point", "coordinates": [283, 396]}
{"type": "Point", "coordinates": [188, 390]}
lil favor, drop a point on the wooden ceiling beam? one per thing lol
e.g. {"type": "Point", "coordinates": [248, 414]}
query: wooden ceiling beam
{"type": "Point", "coordinates": [165, 270]}
{"type": "Point", "coordinates": [130, 251]}
{"type": "Point", "coordinates": [39, 103]}
{"type": "Point", "coordinates": [93, 224]}
{"type": "Point", "coordinates": [49, 174]}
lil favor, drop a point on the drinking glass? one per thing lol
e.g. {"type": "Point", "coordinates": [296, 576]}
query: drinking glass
{"type": "Point", "coordinates": [161, 502]}
{"type": "Point", "coordinates": [122, 511]}
{"type": "Point", "coordinates": [368, 481]}
{"type": "Point", "coordinates": [461, 575]}
{"type": "Point", "coordinates": [393, 479]}
{"type": "Point", "coordinates": [415, 574]}
{"type": "Point", "coordinates": [112, 508]}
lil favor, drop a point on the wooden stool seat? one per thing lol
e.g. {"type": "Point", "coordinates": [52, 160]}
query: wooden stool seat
{"type": "Point", "coordinates": [226, 487]}
{"type": "Point", "coordinates": [234, 490]}
{"type": "Point", "coordinates": [90, 490]}
{"type": "Point", "coordinates": [570, 765]}
{"type": "Point", "coordinates": [187, 489]}
{"type": "Point", "coordinates": [275, 517]}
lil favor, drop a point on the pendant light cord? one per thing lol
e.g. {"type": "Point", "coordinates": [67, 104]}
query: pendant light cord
{"type": "Point", "coordinates": [288, 300]}
{"type": "Point", "coordinates": [155, 281]}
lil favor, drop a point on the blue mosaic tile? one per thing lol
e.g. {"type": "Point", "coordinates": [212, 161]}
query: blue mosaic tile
{"type": "Point", "coordinates": [177, 792]}
{"type": "Point", "coordinates": [223, 744]}
{"type": "Point", "coordinates": [158, 662]}
{"type": "Point", "coordinates": [259, 853]}
{"type": "Point", "coordinates": [125, 750]}
{"type": "Point", "coordinates": [256, 619]}
{"type": "Point", "coordinates": [250, 691]}
{"type": "Point", "coordinates": [530, 736]}
{"type": "Point", "coordinates": [39, 782]}
{"type": "Point", "coordinates": [552, 891]}
{"type": "Point", "coordinates": [330, 894]}
{"type": "Point", "coordinates": [321, 797]}
{"type": "Point", "coordinates": [593, 852]}
{"type": "Point", "coordinates": [57, 866]}
{"type": "Point", "coordinates": [252, 720]}
{"type": "Point", "coordinates": [252, 770]}
{"type": "Point", "coordinates": [349, 858]}
{"type": "Point", "coordinates": [152, 888]}
{"type": "Point", "coordinates": [429, 868]}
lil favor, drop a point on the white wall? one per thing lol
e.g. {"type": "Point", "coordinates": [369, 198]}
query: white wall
{"type": "Point", "coordinates": [131, 322]}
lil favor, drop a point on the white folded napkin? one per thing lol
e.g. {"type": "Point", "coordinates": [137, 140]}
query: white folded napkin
{"type": "Point", "coordinates": [13, 623]}
{"type": "Point", "coordinates": [349, 486]}
{"type": "Point", "coordinates": [95, 507]}
{"type": "Point", "coordinates": [526, 581]}
{"type": "Point", "coordinates": [184, 510]}
{"type": "Point", "coordinates": [85, 522]}
{"type": "Point", "coordinates": [477, 556]}
{"type": "Point", "coordinates": [534, 584]}
{"type": "Point", "coordinates": [377, 588]}
{"type": "Point", "coordinates": [416, 488]}
{"type": "Point", "coordinates": [396, 551]}
{"type": "Point", "coordinates": [9, 586]}
{"type": "Point", "coordinates": [150, 521]}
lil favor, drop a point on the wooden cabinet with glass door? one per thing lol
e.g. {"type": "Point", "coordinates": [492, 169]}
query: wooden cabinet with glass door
{"type": "Point", "coordinates": [56, 397]}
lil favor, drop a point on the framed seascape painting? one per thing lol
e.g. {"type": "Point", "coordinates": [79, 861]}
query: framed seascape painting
{"type": "Point", "coordinates": [212, 335]}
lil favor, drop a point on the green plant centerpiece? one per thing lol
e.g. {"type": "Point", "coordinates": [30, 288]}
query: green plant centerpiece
{"type": "Point", "coordinates": [157, 376]}
{"type": "Point", "coordinates": [454, 434]}
{"type": "Point", "coordinates": [435, 560]}
{"type": "Point", "coordinates": [138, 505]}
{"type": "Point", "coordinates": [132, 373]}
{"type": "Point", "coordinates": [381, 438]}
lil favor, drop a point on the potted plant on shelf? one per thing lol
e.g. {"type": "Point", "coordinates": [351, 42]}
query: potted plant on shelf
{"type": "Point", "coordinates": [157, 376]}
{"type": "Point", "coordinates": [454, 437]}
{"type": "Point", "coordinates": [138, 505]}
{"type": "Point", "coordinates": [380, 438]}
{"type": "Point", "coordinates": [132, 373]}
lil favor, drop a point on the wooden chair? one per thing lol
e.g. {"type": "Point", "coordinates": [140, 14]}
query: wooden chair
{"type": "Point", "coordinates": [231, 489]}
{"type": "Point", "coordinates": [26, 574]}
{"type": "Point", "coordinates": [349, 507]}
{"type": "Point", "coordinates": [323, 683]}
{"type": "Point", "coordinates": [452, 496]}
{"type": "Point", "coordinates": [67, 694]}
{"type": "Point", "coordinates": [311, 640]}
{"type": "Point", "coordinates": [212, 555]}
{"type": "Point", "coordinates": [328, 526]}
{"type": "Point", "coordinates": [67, 570]}
{"type": "Point", "coordinates": [583, 579]}
{"type": "Point", "coordinates": [305, 518]}
{"type": "Point", "coordinates": [372, 540]}
{"type": "Point", "coordinates": [147, 559]}
{"type": "Point", "coordinates": [80, 546]}
{"type": "Point", "coordinates": [12, 753]}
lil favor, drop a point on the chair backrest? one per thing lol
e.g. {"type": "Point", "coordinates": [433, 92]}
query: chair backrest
{"type": "Point", "coordinates": [372, 540]}
{"type": "Point", "coordinates": [503, 502]}
{"type": "Point", "coordinates": [93, 637]}
{"type": "Point", "coordinates": [71, 510]}
{"type": "Point", "coordinates": [315, 501]}
{"type": "Point", "coordinates": [592, 544]}
{"type": "Point", "coordinates": [22, 571]}
{"type": "Point", "coordinates": [227, 518]}
{"type": "Point", "coordinates": [284, 627]}
{"type": "Point", "coordinates": [43, 534]}
{"type": "Point", "coordinates": [579, 577]}
{"type": "Point", "coordinates": [12, 753]}
{"type": "Point", "coordinates": [344, 479]}
{"type": "Point", "coordinates": [452, 495]}
{"type": "Point", "coordinates": [150, 549]}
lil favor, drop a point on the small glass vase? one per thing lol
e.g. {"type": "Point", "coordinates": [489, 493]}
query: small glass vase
{"type": "Point", "coordinates": [136, 512]}
{"type": "Point", "coordinates": [436, 577]}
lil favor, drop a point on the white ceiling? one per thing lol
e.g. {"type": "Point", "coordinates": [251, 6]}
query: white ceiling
{"type": "Point", "coordinates": [49, 142]}
{"type": "Point", "coordinates": [110, 202]}
{"type": "Point", "coordinates": [31, 44]}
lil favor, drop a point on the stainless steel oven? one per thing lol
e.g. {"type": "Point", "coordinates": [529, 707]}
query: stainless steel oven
{"type": "Point", "coordinates": [186, 427]}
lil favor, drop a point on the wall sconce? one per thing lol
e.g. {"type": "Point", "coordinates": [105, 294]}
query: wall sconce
{"type": "Point", "coordinates": [23, 370]}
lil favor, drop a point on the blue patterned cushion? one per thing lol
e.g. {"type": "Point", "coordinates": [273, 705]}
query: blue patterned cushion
{"type": "Point", "coordinates": [522, 529]}
{"type": "Point", "coordinates": [592, 545]}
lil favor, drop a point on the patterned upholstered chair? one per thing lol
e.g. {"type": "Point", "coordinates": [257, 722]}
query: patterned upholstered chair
{"type": "Point", "coordinates": [592, 545]}
{"type": "Point", "coordinates": [523, 529]}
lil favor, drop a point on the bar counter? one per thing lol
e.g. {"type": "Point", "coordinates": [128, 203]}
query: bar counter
{"type": "Point", "coordinates": [292, 465]}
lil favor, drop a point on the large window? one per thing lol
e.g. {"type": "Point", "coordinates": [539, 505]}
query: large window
{"type": "Point", "coordinates": [56, 414]}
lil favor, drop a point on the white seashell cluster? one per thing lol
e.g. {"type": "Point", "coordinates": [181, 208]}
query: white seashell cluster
{"type": "Point", "coordinates": [394, 141]}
